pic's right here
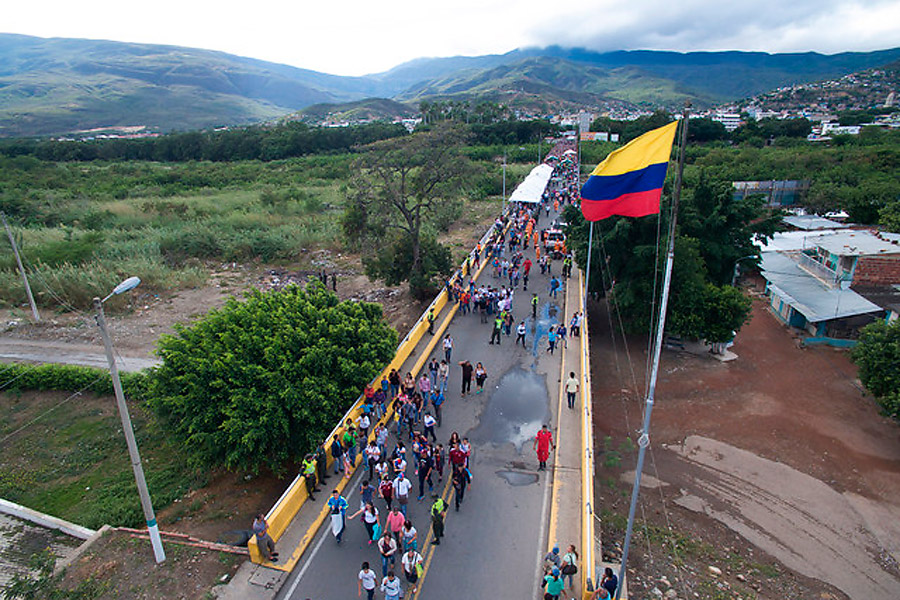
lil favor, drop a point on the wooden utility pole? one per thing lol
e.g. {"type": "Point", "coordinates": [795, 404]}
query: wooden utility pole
{"type": "Point", "coordinates": [12, 241]}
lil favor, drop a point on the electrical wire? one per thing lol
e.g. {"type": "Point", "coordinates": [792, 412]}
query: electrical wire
{"type": "Point", "coordinates": [47, 412]}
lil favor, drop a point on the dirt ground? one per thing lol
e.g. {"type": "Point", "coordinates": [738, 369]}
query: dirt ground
{"type": "Point", "coordinates": [776, 467]}
{"type": "Point", "coordinates": [137, 328]}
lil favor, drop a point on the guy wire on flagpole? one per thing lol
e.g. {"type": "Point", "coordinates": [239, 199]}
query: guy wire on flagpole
{"type": "Point", "coordinates": [644, 439]}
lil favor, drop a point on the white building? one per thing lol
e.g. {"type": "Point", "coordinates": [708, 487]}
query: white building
{"type": "Point", "coordinates": [731, 121]}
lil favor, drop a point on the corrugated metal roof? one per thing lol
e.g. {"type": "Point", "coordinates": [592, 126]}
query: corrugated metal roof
{"type": "Point", "coordinates": [859, 243]}
{"type": "Point", "coordinates": [809, 296]}
{"type": "Point", "coordinates": [811, 222]}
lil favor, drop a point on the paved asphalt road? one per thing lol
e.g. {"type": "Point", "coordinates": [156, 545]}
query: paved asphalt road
{"type": "Point", "coordinates": [493, 544]}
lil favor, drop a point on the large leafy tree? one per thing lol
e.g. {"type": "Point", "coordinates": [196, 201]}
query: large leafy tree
{"type": "Point", "coordinates": [877, 354]}
{"type": "Point", "coordinates": [713, 233]}
{"type": "Point", "coordinates": [402, 190]}
{"type": "Point", "coordinates": [258, 382]}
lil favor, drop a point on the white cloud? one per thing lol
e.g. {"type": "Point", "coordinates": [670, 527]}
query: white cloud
{"type": "Point", "coordinates": [354, 37]}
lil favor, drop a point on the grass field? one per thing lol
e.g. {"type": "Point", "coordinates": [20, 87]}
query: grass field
{"type": "Point", "coordinates": [83, 227]}
{"type": "Point", "coordinates": [69, 459]}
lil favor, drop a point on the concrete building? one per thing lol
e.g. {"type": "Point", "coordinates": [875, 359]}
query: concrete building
{"type": "Point", "coordinates": [831, 283]}
{"type": "Point", "coordinates": [731, 121]}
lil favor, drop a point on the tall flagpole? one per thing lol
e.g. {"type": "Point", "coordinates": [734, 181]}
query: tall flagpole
{"type": "Point", "coordinates": [644, 439]}
{"type": "Point", "coordinates": [587, 273]}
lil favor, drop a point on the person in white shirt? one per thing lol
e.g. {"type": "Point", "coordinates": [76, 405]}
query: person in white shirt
{"type": "Point", "coordinates": [411, 560]}
{"type": "Point", "coordinates": [402, 485]}
{"type": "Point", "coordinates": [520, 333]}
{"type": "Point", "coordinates": [390, 585]}
{"type": "Point", "coordinates": [366, 581]}
{"type": "Point", "coordinates": [448, 347]}
{"type": "Point", "coordinates": [571, 389]}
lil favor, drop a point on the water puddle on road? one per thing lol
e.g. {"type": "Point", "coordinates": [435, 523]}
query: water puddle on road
{"type": "Point", "coordinates": [548, 317]}
{"type": "Point", "coordinates": [516, 478]}
{"type": "Point", "coordinates": [515, 411]}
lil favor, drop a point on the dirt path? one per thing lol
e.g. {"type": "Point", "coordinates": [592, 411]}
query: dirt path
{"type": "Point", "coordinates": [781, 446]}
{"type": "Point", "coordinates": [73, 338]}
{"type": "Point", "coordinates": [798, 519]}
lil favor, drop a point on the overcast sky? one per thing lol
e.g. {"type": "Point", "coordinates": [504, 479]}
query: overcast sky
{"type": "Point", "coordinates": [353, 37]}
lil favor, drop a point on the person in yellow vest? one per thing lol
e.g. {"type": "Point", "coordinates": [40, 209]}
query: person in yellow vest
{"type": "Point", "coordinates": [309, 472]}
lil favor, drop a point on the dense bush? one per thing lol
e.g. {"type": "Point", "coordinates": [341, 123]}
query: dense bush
{"type": "Point", "coordinates": [258, 382]}
{"type": "Point", "coordinates": [877, 354]}
{"type": "Point", "coordinates": [71, 378]}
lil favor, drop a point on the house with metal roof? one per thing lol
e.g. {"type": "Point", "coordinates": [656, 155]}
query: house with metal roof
{"type": "Point", "coordinates": [814, 281]}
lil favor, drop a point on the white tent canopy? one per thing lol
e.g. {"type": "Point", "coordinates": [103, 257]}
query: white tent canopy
{"type": "Point", "coordinates": [534, 185]}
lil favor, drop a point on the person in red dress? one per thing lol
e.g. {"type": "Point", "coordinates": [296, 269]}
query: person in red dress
{"type": "Point", "coordinates": [543, 444]}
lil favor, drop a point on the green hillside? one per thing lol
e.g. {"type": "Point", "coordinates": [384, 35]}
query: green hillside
{"type": "Point", "coordinates": [58, 85]}
{"type": "Point", "coordinates": [559, 81]}
{"type": "Point", "coordinates": [360, 110]}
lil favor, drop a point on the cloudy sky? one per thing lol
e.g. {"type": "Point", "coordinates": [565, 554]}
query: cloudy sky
{"type": "Point", "coordinates": [354, 37]}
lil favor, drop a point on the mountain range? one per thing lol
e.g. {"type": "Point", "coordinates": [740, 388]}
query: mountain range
{"type": "Point", "coordinates": [60, 85]}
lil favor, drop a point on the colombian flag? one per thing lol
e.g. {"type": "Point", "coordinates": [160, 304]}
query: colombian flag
{"type": "Point", "coordinates": [629, 182]}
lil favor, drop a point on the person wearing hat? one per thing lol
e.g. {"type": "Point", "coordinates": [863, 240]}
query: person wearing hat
{"type": "Point", "coordinates": [551, 559]}
{"type": "Point", "coordinates": [555, 585]}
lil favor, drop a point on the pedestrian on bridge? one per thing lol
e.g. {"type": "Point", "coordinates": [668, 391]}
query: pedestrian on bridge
{"type": "Point", "coordinates": [394, 524]}
{"type": "Point", "coordinates": [551, 339]}
{"type": "Point", "coordinates": [448, 347]}
{"type": "Point", "coordinates": [387, 546]}
{"type": "Point", "coordinates": [369, 519]}
{"type": "Point", "coordinates": [263, 540]}
{"type": "Point", "coordinates": [309, 474]}
{"type": "Point", "coordinates": [520, 333]}
{"type": "Point", "coordinates": [466, 376]}
{"type": "Point", "coordinates": [443, 376]}
{"type": "Point", "coordinates": [390, 585]}
{"type": "Point", "coordinates": [543, 444]}
{"type": "Point", "coordinates": [402, 486]}
{"type": "Point", "coordinates": [438, 512]}
{"type": "Point", "coordinates": [461, 480]}
{"type": "Point", "coordinates": [437, 401]}
{"type": "Point", "coordinates": [338, 505]}
{"type": "Point", "coordinates": [366, 580]}
{"type": "Point", "coordinates": [497, 330]}
{"type": "Point", "coordinates": [412, 565]}
{"type": "Point", "coordinates": [480, 376]}
{"type": "Point", "coordinates": [433, 372]}
{"type": "Point", "coordinates": [571, 389]}
{"type": "Point", "coordinates": [337, 453]}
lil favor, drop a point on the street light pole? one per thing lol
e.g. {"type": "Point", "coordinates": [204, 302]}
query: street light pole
{"type": "Point", "coordinates": [144, 493]}
{"type": "Point", "coordinates": [503, 208]}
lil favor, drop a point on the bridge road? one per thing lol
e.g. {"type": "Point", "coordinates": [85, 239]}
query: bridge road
{"type": "Point", "coordinates": [493, 545]}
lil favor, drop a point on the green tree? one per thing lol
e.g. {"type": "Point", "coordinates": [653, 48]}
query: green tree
{"type": "Point", "coordinates": [402, 188]}
{"type": "Point", "coordinates": [725, 310]}
{"type": "Point", "coordinates": [889, 217]}
{"type": "Point", "coordinates": [258, 382]}
{"type": "Point", "coordinates": [706, 130]}
{"type": "Point", "coordinates": [877, 354]}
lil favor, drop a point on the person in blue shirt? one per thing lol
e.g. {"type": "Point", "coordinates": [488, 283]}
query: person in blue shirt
{"type": "Point", "coordinates": [337, 505]}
